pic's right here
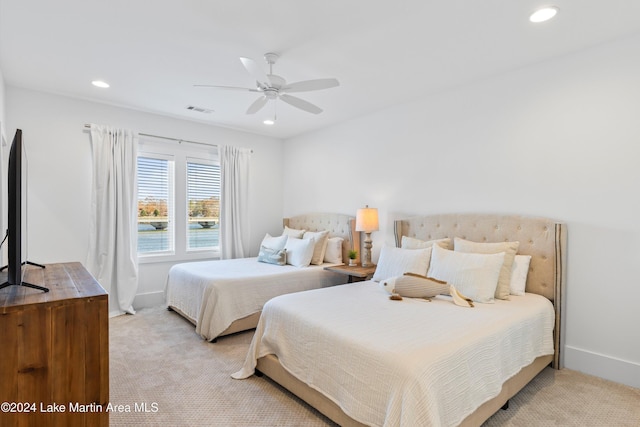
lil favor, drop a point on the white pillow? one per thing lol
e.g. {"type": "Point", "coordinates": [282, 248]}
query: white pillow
{"type": "Point", "coordinates": [413, 243]}
{"type": "Point", "coordinates": [292, 232]}
{"type": "Point", "coordinates": [519, 272]}
{"type": "Point", "coordinates": [397, 261]}
{"type": "Point", "coordinates": [509, 249]}
{"type": "Point", "coordinates": [474, 275]}
{"type": "Point", "coordinates": [321, 245]}
{"type": "Point", "coordinates": [299, 251]}
{"type": "Point", "coordinates": [333, 253]}
{"type": "Point", "coordinates": [275, 243]}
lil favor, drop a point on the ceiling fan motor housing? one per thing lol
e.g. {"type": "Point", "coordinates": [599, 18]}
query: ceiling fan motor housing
{"type": "Point", "coordinates": [271, 58]}
{"type": "Point", "coordinates": [276, 81]}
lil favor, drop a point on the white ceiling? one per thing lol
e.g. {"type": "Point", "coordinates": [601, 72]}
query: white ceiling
{"type": "Point", "coordinates": [383, 52]}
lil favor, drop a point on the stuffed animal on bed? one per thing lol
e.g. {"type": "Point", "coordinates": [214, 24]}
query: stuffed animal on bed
{"type": "Point", "coordinates": [413, 285]}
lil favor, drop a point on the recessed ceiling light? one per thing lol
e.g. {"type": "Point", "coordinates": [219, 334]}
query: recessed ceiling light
{"type": "Point", "coordinates": [269, 122]}
{"type": "Point", "coordinates": [100, 84]}
{"type": "Point", "coordinates": [543, 14]}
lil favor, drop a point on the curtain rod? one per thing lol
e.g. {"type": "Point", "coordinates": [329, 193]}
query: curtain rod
{"type": "Point", "coordinates": [179, 141]}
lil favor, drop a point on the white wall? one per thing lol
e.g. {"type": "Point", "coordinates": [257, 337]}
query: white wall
{"type": "Point", "coordinates": [559, 139]}
{"type": "Point", "coordinates": [3, 117]}
{"type": "Point", "coordinates": [59, 175]}
{"type": "Point", "coordinates": [3, 168]}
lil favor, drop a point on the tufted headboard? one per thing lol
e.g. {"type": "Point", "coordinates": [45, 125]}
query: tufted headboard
{"type": "Point", "coordinates": [542, 238]}
{"type": "Point", "coordinates": [339, 225]}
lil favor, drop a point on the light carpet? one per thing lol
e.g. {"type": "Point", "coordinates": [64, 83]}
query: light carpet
{"type": "Point", "coordinates": [164, 374]}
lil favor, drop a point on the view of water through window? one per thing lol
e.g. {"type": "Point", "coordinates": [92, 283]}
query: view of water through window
{"type": "Point", "coordinates": [156, 188]}
{"type": "Point", "coordinates": [151, 239]}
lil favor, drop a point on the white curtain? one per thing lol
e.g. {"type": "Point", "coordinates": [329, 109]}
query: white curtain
{"type": "Point", "coordinates": [234, 200]}
{"type": "Point", "coordinates": [113, 235]}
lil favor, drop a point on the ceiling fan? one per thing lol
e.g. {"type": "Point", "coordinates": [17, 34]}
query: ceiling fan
{"type": "Point", "coordinates": [272, 86]}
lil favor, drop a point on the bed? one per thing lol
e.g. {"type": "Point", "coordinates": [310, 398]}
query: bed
{"type": "Point", "coordinates": [222, 297]}
{"type": "Point", "coordinates": [356, 356]}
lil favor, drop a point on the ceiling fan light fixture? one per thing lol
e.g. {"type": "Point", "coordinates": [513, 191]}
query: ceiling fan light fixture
{"type": "Point", "coordinates": [270, 121]}
{"type": "Point", "coordinates": [543, 14]}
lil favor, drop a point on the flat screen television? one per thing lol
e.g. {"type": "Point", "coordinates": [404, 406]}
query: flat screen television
{"type": "Point", "coordinates": [14, 217]}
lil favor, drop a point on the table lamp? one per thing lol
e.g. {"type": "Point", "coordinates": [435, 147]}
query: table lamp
{"type": "Point", "coordinates": [367, 221]}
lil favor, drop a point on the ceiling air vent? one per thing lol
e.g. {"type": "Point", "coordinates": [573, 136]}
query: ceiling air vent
{"type": "Point", "coordinates": [199, 109]}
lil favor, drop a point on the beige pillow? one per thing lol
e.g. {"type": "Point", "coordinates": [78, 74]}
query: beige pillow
{"type": "Point", "coordinates": [321, 245]}
{"type": "Point", "coordinates": [509, 248]}
{"type": "Point", "coordinates": [413, 243]}
{"type": "Point", "coordinates": [333, 252]}
{"type": "Point", "coordinates": [292, 232]}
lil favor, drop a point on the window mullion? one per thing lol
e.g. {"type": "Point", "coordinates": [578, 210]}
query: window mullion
{"type": "Point", "coordinates": [180, 198]}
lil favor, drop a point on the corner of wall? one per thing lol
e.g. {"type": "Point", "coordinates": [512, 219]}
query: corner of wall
{"type": "Point", "coordinates": [603, 366]}
{"type": "Point", "coordinates": [149, 300]}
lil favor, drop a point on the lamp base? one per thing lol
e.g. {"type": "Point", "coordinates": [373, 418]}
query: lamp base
{"type": "Point", "coordinates": [366, 254]}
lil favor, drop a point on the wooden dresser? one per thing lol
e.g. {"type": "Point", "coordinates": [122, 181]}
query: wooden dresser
{"type": "Point", "coordinates": [54, 349]}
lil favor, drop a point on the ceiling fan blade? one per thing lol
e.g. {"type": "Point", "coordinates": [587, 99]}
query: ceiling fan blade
{"type": "Point", "coordinates": [257, 105]}
{"type": "Point", "coordinates": [309, 85]}
{"type": "Point", "coordinates": [256, 72]}
{"type": "Point", "coordinates": [301, 104]}
{"type": "Point", "coordinates": [245, 89]}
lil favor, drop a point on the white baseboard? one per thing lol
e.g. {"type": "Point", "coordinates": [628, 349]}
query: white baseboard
{"type": "Point", "coordinates": [603, 366]}
{"type": "Point", "coordinates": [148, 300]}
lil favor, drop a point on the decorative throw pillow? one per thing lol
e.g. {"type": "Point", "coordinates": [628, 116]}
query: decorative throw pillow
{"type": "Point", "coordinates": [413, 243]}
{"type": "Point", "coordinates": [397, 261]}
{"type": "Point", "coordinates": [292, 232]}
{"type": "Point", "coordinates": [276, 243]}
{"type": "Point", "coordinates": [333, 253]}
{"type": "Point", "coordinates": [321, 245]}
{"type": "Point", "coordinates": [474, 275]}
{"type": "Point", "coordinates": [414, 286]}
{"type": "Point", "coordinates": [519, 273]}
{"type": "Point", "coordinates": [509, 248]}
{"type": "Point", "coordinates": [272, 256]}
{"type": "Point", "coordinates": [299, 251]}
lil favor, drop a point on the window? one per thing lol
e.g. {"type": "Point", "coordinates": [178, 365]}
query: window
{"type": "Point", "coordinates": [155, 205]}
{"type": "Point", "coordinates": [178, 201]}
{"type": "Point", "coordinates": [203, 204]}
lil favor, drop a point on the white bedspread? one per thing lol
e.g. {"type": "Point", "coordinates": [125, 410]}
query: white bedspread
{"type": "Point", "coordinates": [213, 294]}
{"type": "Point", "coordinates": [401, 363]}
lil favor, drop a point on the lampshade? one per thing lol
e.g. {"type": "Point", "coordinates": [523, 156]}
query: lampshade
{"type": "Point", "coordinates": [367, 219]}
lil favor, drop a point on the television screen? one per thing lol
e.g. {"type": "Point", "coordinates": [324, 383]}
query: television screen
{"type": "Point", "coordinates": [14, 217]}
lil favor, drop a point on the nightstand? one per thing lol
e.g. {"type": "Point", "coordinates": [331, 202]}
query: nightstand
{"type": "Point", "coordinates": [356, 273]}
